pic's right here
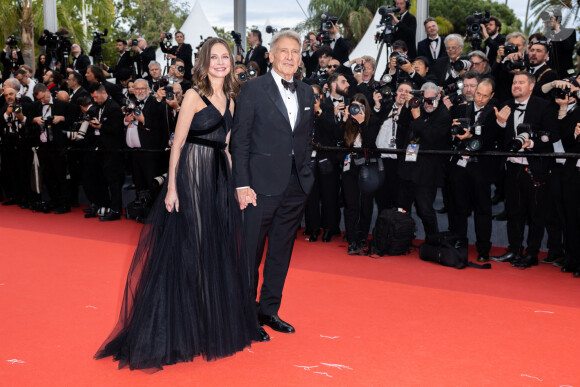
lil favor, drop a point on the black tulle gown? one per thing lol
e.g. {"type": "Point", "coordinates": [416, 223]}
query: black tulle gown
{"type": "Point", "coordinates": [188, 288]}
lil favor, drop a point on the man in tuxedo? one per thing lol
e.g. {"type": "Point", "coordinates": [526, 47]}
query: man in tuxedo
{"type": "Point", "coordinates": [339, 44]}
{"type": "Point", "coordinates": [504, 79]}
{"type": "Point", "coordinates": [52, 138]}
{"type": "Point", "coordinates": [493, 39]}
{"type": "Point", "coordinates": [563, 41]}
{"type": "Point", "coordinates": [109, 133]}
{"type": "Point", "coordinates": [79, 61]}
{"type": "Point", "coordinates": [27, 84]}
{"type": "Point", "coordinates": [145, 54]}
{"type": "Point", "coordinates": [471, 176]}
{"type": "Point", "coordinates": [96, 74]}
{"type": "Point", "coordinates": [443, 67]}
{"type": "Point", "coordinates": [432, 47]}
{"type": "Point", "coordinates": [406, 27]}
{"type": "Point", "coordinates": [257, 52]}
{"type": "Point", "coordinates": [124, 62]}
{"type": "Point", "coordinates": [146, 131]}
{"type": "Point", "coordinates": [310, 53]}
{"type": "Point", "coordinates": [271, 145]}
{"type": "Point", "coordinates": [526, 178]}
{"type": "Point", "coordinates": [428, 126]}
{"type": "Point", "coordinates": [538, 55]}
{"type": "Point", "coordinates": [74, 82]}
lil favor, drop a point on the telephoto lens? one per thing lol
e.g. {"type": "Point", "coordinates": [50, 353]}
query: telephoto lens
{"type": "Point", "coordinates": [354, 109]}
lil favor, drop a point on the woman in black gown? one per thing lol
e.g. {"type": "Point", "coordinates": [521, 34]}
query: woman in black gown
{"type": "Point", "coordinates": [188, 288]}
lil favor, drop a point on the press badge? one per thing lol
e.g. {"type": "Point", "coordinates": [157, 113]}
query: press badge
{"type": "Point", "coordinates": [412, 150]}
{"type": "Point", "coordinates": [346, 166]}
{"type": "Point", "coordinates": [462, 162]}
{"type": "Point", "coordinates": [313, 155]}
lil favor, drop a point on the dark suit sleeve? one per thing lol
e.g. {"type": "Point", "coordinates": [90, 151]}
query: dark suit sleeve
{"type": "Point", "coordinates": [240, 136]}
{"type": "Point", "coordinates": [341, 49]}
{"type": "Point", "coordinates": [114, 124]}
{"type": "Point", "coordinates": [82, 64]}
{"type": "Point", "coordinates": [260, 58]}
{"type": "Point", "coordinates": [423, 50]}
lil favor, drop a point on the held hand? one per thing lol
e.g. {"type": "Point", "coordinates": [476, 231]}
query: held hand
{"type": "Point", "coordinates": [527, 144]}
{"type": "Point", "coordinates": [377, 98]}
{"type": "Point", "coordinates": [129, 117]}
{"type": "Point", "coordinates": [161, 93]}
{"type": "Point", "coordinates": [95, 123]}
{"type": "Point", "coordinates": [140, 118]}
{"type": "Point", "coordinates": [577, 130]}
{"type": "Point", "coordinates": [447, 102]}
{"type": "Point", "coordinates": [171, 200]}
{"type": "Point", "coordinates": [338, 108]}
{"type": "Point", "coordinates": [407, 67]}
{"type": "Point", "coordinates": [502, 115]}
{"type": "Point", "coordinates": [464, 136]}
{"type": "Point", "coordinates": [563, 102]}
{"type": "Point", "coordinates": [483, 31]}
{"type": "Point", "coordinates": [393, 63]}
{"type": "Point", "coordinates": [360, 117]}
{"type": "Point", "coordinates": [58, 119]}
{"type": "Point", "coordinates": [514, 56]}
{"type": "Point", "coordinates": [345, 115]}
{"type": "Point", "coordinates": [500, 53]}
{"type": "Point", "coordinates": [38, 120]}
{"type": "Point", "coordinates": [246, 196]}
{"type": "Point", "coordinates": [395, 20]}
{"type": "Point", "coordinates": [9, 110]}
{"type": "Point", "coordinates": [357, 77]}
{"type": "Point", "coordinates": [416, 112]}
{"type": "Point", "coordinates": [20, 116]}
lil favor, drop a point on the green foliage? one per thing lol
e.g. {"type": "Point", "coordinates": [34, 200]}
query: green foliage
{"type": "Point", "coordinates": [455, 11]}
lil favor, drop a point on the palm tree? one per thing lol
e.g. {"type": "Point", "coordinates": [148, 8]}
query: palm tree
{"type": "Point", "coordinates": [570, 8]}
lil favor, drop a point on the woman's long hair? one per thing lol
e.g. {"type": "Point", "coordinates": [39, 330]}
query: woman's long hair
{"type": "Point", "coordinates": [352, 128]}
{"type": "Point", "coordinates": [201, 69]}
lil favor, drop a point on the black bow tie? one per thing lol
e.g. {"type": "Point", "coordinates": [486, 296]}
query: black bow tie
{"type": "Point", "coordinates": [433, 40]}
{"type": "Point", "coordinates": [336, 100]}
{"type": "Point", "coordinates": [289, 85]}
{"type": "Point", "coordinates": [520, 107]}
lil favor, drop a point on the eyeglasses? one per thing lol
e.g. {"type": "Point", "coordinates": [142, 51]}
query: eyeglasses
{"type": "Point", "coordinates": [334, 66]}
{"type": "Point", "coordinates": [140, 88]}
{"type": "Point", "coordinates": [452, 48]}
{"type": "Point", "coordinates": [476, 63]}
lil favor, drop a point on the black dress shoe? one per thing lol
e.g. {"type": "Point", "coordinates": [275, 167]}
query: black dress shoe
{"type": "Point", "coordinates": [62, 210]}
{"type": "Point", "coordinates": [327, 235]}
{"type": "Point", "coordinates": [314, 236]}
{"type": "Point", "coordinates": [483, 258]}
{"type": "Point", "coordinates": [353, 249]}
{"type": "Point", "coordinates": [552, 257]}
{"type": "Point", "coordinates": [110, 215]}
{"type": "Point", "coordinates": [306, 232]}
{"type": "Point", "coordinates": [525, 261]}
{"type": "Point", "coordinates": [262, 335]}
{"type": "Point", "coordinates": [11, 202]}
{"type": "Point", "coordinates": [276, 323]}
{"type": "Point", "coordinates": [569, 268]}
{"type": "Point", "coordinates": [507, 257]}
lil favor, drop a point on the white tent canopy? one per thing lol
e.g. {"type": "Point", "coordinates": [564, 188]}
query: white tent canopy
{"type": "Point", "coordinates": [194, 28]}
{"type": "Point", "coordinates": [368, 46]}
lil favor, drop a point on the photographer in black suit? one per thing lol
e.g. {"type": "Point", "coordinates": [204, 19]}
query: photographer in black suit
{"type": "Point", "coordinates": [78, 61]}
{"type": "Point", "coordinates": [53, 120]}
{"type": "Point", "coordinates": [538, 55]}
{"type": "Point", "coordinates": [471, 176]}
{"type": "Point", "coordinates": [433, 46]}
{"type": "Point", "coordinates": [426, 126]}
{"type": "Point", "coordinates": [144, 55]}
{"type": "Point", "coordinates": [107, 124]}
{"type": "Point", "coordinates": [310, 52]}
{"type": "Point", "coordinates": [493, 38]}
{"type": "Point", "coordinates": [183, 51]}
{"type": "Point", "coordinates": [96, 74]}
{"type": "Point", "coordinates": [339, 44]}
{"type": "Point", "coordinates": [123, 62]}
{"type": "Point", "coordinates": [256, 53]}
{"type": "Point", "coordinates": [443, 68]}
{"type": "Point", "coordinates": [526, 178]}
{"type": "Point", "coordinates": [146, 130]}
{"type": "Point", "coordinates": [271, 145]}
{"type": "Point", "coordinates": [405, 26]}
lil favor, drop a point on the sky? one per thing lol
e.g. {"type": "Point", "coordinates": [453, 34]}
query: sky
{"type": "Point", "coordinates": [281, 13]}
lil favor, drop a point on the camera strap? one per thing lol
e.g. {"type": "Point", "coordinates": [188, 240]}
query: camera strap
{"type": "Point", "coordinates": [542, 74]}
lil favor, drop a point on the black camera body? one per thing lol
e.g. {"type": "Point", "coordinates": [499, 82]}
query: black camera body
{"type": "Point", "coordinates": [133, 108]}
{"type": "Point", "coordinates": [327, 22]}
{"type": "Point", "coordinates": [400, 58]}
{"type": "Point", "coordinates": [237, 38]}
{"type": "Point", "coordinates": [563, 93]}
{"type": "Point", "coordinates": [473, 28]}
{"type": "Point", "coordinates": [385, 91]}
{"type": "Point", "coordinates": [520, 64]}
{"type": "Point", "coordinates": [134, 42]}
{"type": "Point", "coordinates": [462, 127]}
{"type": "Point", "coordinates": [97, 47]}
{"type": "Point", "coordinates": [509, 48]}
{"type": "Point", "coordinates": [12, 41]}
{"type": "Point", "coordinates": [418, 98]}
{"type": "Point", "coordinates": [463, 63]}
{"type": "Point", "coordinates": [354, 109]}
{"type": "Point", "coordinates": [166, 42]}
{"type": "Point", "coordinates": [270, 30]}
{"type": "Point", "coordinates": [386, 18]}
{"type": "Point", "coordinates": [453, 91]}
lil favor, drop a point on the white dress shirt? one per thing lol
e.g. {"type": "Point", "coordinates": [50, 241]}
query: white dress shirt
{"type": "Point", "coordinates": [290, 99]}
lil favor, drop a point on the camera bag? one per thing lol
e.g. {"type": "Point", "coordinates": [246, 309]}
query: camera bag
{"type": "Point", "coordinates": [393, 233]}
{"type": "Point", "coordinates": [448, 249]}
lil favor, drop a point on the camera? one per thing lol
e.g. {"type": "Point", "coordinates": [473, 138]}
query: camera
{"type": "Point", "coordinates": [79, 128]}
{"type": "Point", "coordinates": [48, 122]}
{"type": "Point", "coordinates": [17, 106]}
{"type": "Point", "coordinates": [134, 42]}
{"type": "Point", "coordinates": [453, 91]}
{"type": "Point", "coordinates": [462, 127]}
{"type": "Point", "coordinates": [400, 58]}
{"type": "Point", "coordinates": [358, 68]}
{"type": "Point", "coordinates": [354, 109]}
{"type": "Point", "coordinates": [461, 64]}
{"type": "Point", "coordinates": [386, 18]}
{"type": "Point", "coordinates": [237, 38]}
{"type": "Point", "coordinates": [169, 95]}
{"type": "Point", "coordinates": [12, 41]}
{"type": "Point", "coordinates": [327, 22]}
{"type": "Point", "coordinates": [563, 93]}
{"type": "Point", "coordinates": [322, 79]}
{"type": "Point", "coordinates": [166, 42]}
{"type": "Point", "coordinates": [509, 48]}
{"type": "Point", "coordinates": [243, 76]}
{"type": "Point", "coordinates": [132, 108]}
{"type": "Point", "coordinates": [270, 30]}
{"type": "Point", "coordinates": [252, 72]}
{"type": "Point", "coordinates": [473, 30]}
{"type": "Point", "coordinates": [180, 69]}
{"type": "Point", "coordinates": [520, 64]}
{"type": "Point", "coordinates": [517, 143]}
{"type": "Point", "coordinates": [417, 99]}
{"type": "Point", "coordinates": [97, 47]}
{"type": "Point", "coordinates": [385, 91]}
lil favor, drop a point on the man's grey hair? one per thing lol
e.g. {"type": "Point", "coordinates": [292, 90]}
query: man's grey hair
{"type": "Point", "coordinates": [291, 34]}
{"type": "Point", "coordinates": [13, 83]}
{"type": "Point", "coordinates": [141, 80]}
{"type": "Point", "coordinates": [430, 86]}
{"type": "Point", "coordinates": [153, 63]}
{"type": "Point", "coordinates": [517, 34]}
{"type": "Point", "coordinates": [455, 37]}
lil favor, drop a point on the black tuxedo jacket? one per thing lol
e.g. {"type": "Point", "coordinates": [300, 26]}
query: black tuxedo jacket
{"type": "Point", "coordinates": [328, 132]}
{"type": "Point", "coordinates": [440, 69]}
{"type": "Point", "coordinates": [405, 31]}
{"type": "Point", "coordinates": [423, 49]}
{"type": "Point", "coordinates": [544, 75]}
{"type": "Point", "coordinates": [152, 135]}
{"type": "Point", "coordinates": [258, 55]}
{"type": "Point", "coordinates": [142, 59]}
{"type": "Point", "coordinates": [341, 49]}
{"type": "Point", "coordinates": [81, 63]}
{"type": "Point", "coordinates": [262, 140]}
{"type": "Point", "coordinates": [562, 51]}
{"type": "Point", "coordinates": [10, 66]}
{"type": "Point", "coordinates": [493, 45]}
{"type": "Point", "coordinates": [541, 115]}
{"type": "Point", "coordinates": [59, 108]}
{"type": "Point", "coordinates": [112, 131]}
{"type": "Point", "coordinates": [80, 92]}
{"type": "Point", "coordinates": [431, 131]}
{"type": "Point", "coordinates": [125, 61]}
{"type": "Point", "coordinates": [185, 52]}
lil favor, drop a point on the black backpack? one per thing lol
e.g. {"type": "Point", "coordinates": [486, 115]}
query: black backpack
{"type": "Point", "coordinates": [393, 233]}
{"type": "Point", "coordinates": [447, 249]}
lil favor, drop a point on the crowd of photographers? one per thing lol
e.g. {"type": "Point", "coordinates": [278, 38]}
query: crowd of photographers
{"type": "Point", "coordinates": [479, 92]}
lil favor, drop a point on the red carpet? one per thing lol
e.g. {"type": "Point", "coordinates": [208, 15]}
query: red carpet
{"type": "Point", "coordinates": [393, 321]}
